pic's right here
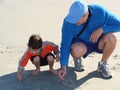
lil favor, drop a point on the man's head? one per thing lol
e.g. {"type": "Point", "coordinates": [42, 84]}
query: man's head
{"type": "Point", "coordinates": [35, 42]}
{"type": "Point", "coordinates": [76, 11]}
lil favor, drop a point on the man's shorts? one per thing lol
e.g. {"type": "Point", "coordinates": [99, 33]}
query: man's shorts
{"type": "Point", "coordinates": [91, 47]}
{"type": "Point", "coordinates": [43, 61]}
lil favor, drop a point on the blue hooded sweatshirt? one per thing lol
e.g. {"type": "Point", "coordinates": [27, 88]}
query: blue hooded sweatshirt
{"type": "Point", "coordinates": [100, 17]}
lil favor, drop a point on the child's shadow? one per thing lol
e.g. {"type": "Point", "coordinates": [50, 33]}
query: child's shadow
{"type": "Point", "coordinates": [45, 80]}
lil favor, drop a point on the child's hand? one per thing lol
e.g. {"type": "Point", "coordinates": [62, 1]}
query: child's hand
{"type": "Point", "coordinates": [57, 58]}
{"type": "Point", "coordinates": [19, 76]}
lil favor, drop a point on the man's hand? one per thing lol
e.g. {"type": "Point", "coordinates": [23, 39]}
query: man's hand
{"type": "Point", "coordinates": [96, 34]}
{"type": "Point", "coordinates": [62, 72]}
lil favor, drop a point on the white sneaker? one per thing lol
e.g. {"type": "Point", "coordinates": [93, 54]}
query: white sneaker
{"type": "Point", "coordinates": [104, 70]}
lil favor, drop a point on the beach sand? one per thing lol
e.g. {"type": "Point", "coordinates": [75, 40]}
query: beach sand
{"type": "Point", "coordinates": [21, 18]}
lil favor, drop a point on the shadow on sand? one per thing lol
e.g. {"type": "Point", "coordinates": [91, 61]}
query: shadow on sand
{"type": "Point", "coordinates": [44, 81]}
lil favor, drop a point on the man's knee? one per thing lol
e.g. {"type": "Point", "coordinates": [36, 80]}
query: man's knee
{"type": "Point", "coordinates": [111, 38]}
{"type": "Point", "coordinates": [78, 50]}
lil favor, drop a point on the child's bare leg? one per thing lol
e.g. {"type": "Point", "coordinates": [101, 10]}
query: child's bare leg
{"type": "Point", "coordinates": [36, 62]}
{"type": "Point", "coordinates": [50, 59]}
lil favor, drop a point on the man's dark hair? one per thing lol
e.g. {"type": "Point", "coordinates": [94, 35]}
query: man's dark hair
{"type": "Point", "coordinates": [35, 41]}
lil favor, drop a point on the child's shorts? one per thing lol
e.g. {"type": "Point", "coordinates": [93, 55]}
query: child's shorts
{"type": "Point", "coordinates": [43, 61]}
{"type": "Point", "coordinates": [91, 47]}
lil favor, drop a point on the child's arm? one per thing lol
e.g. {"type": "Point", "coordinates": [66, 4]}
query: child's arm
{"type": "Point", "coordinates": [53, 47]}
{"type": "Point", "coordinates": [19, 75]}
{"type": "Point", "coordinates": [57, 58]}
{"type": "Point", "coordinates": [56, 51]}
{"type": "Point", "coordinates": [22, 63]}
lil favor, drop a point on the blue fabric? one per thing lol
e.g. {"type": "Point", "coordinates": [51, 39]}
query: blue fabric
{"type": "Point", "coordinates": [100, 17]}
{"type": "Point", "coordinates": [91, 47]}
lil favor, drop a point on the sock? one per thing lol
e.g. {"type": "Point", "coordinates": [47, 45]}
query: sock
{"type": "Point", "coordinates": [101, 62]}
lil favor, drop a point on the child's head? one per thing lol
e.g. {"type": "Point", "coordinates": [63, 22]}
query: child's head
{"type": "Point", "coordinates": [35, 42]}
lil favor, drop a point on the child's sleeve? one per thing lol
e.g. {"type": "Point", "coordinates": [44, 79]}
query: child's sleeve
{"type": "Point", "coordinates": [54, 47]}
{"type": "Point", "coordinates": [24, 60]}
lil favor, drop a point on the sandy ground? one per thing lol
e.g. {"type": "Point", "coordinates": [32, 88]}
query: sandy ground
{"type": "Point", "coordinates": [21, 18]}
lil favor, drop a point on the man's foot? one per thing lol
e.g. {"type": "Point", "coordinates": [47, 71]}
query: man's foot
{"type": "Point", "coordinates": [104, 70]}
{"type": "Point", "coordinates": [34, 72]}
{"type": "Point", "coordinates": [78, 65]}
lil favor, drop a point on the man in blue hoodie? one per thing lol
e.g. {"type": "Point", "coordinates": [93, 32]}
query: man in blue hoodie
{"type": "Point", "coordinates": [87, 29]}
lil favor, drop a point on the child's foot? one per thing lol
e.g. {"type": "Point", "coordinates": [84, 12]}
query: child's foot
{"type": "Point", "coordinates": [54, 71]}
{"type": "Point", "coordinates": [34, 72]}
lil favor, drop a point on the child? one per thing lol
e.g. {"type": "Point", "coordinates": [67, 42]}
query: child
{"type": "Point", "coordinates": [40, 53]}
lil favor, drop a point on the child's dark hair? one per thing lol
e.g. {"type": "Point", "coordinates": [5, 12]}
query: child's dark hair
{"type": "Point", "coordinates": [35, 41]}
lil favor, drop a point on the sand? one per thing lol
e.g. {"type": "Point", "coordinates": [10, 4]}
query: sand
{"type": "Point", "coordinates": [21, 18]}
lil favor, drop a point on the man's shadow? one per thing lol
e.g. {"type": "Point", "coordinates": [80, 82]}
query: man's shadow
{"type": "Point", "coordinates": [45, 80]}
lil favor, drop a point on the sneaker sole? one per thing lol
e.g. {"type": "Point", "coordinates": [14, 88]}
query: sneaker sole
{"type": "Point", "coordinates": [100, 71]}
{"type": "Point", "coordinates": [81, 70]}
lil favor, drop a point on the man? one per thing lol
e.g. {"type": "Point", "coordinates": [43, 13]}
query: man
{"type": "Point", "coordinates": [88, 29]}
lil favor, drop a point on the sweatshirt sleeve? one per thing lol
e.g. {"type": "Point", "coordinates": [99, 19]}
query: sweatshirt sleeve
{"type": "Point", "coordinates": [24, 60]}
{"type": "Point", "coordinates": [112, 22]}
{"type": "Point", "coordinates": [54, 47]}
{"type": "Point", "coordinates": [67, 36]}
